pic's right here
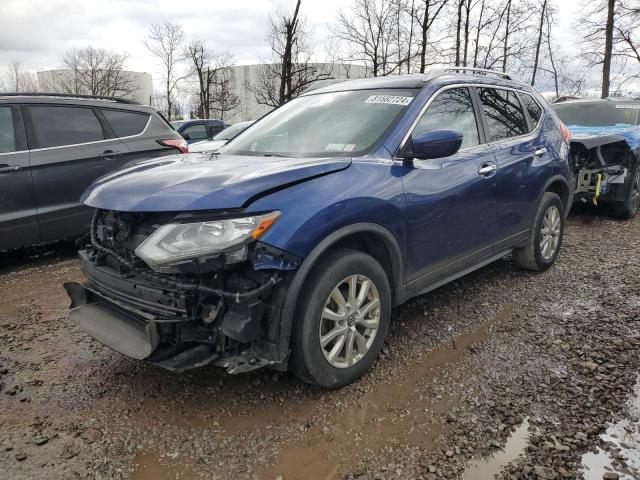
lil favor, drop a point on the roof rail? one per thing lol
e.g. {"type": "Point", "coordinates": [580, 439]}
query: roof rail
{"type": "Point", "coordinates": [70, 95]}
{"type": "Point", "coordinates": [438, 71]}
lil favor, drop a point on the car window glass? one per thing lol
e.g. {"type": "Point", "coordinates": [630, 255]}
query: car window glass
{"type": "Point", "coordinates": [196, 132]}
{"type": "Point", "coordinates": [503, 112]}
{"type": "Point", "coordinates": [125, 124]}
{"type": "Point", "coordinates": [452, 109]}
{"type": "Point", "coordinates": [329, 124]}
{"type": "Point", "coordinates": [7, 134]}
{"type": "Point", "coordinates": [533, 108]}
{"type": "Point", "coordinates": [55, 125]}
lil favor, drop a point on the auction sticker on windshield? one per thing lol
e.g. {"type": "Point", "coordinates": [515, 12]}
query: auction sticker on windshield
{"type": "Point", "coordinates": [389, 99]}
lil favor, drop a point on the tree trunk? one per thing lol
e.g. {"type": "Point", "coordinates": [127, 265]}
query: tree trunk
{"type": "Point", "coordinates": [423, 46]}
{"type": "Point", "coordinates": [506, 38]}
{"type": "Point", "coordinates": [458, 28]}
{"type": "Point", "coordinates": [537, 56]}
{"type": "Point", "coordinates": [466, 31]}
{"type": "Point", "coordinates": [608, 48]}
{"type": "Point", "coordinates": [475, 53]}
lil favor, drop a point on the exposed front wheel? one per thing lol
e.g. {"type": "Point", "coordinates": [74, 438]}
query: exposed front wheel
{"type": "Point", "coordinates": [628, 208]}
{"type": "Point", "coordinates": [545, 243]}
{"type": "Point", "coordinates": [342, 319]}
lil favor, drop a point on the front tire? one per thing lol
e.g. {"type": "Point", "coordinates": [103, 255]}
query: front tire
{"type": "Point", "coordinates": [342, 319]}
{"type": "Point", "coordinates": [548, 230]}
{"type": "Point", "coordinates": [628, 208]}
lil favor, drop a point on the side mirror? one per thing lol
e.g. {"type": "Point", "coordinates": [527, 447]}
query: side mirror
{"type": "Point", "coordinates": [435, 144]}
{"type": "Point", "coordinates": [185, 136]}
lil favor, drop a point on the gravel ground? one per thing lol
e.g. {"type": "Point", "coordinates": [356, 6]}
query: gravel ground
{"type": "Point", "coordinates": [503, 372]}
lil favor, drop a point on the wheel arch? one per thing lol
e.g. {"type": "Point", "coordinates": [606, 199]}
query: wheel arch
{"type": "Point", "coordinates": [371, 238]}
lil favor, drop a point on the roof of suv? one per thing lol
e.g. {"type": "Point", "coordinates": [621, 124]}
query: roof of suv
{"type": "Point", "coordinates": [69, 99]}
{"type": "Point", "coordinates": [448, 74]}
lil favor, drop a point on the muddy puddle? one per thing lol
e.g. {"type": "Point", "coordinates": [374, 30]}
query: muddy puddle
{"type": "Point", "coordinates": [387, 417]}
{"type": "Point", "coordinates": [623, 456]}
{"type": "Point", "coordinates": [488, 468]}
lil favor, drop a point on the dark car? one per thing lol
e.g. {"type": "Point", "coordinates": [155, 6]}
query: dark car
{"type": "Point", "coordinates": [290, 247]}
{"type": "Point", "coordinates": [605, 151]}
{"type": "Point", "coordinates": [51, 149]}
{"type": "Point", "coordinates": [198, 129]}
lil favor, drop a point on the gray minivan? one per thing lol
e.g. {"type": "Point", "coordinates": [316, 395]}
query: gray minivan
{"type": "Point", "coordinates": [52, 147]}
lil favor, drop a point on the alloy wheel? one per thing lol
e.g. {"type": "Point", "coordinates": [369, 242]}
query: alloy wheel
{"type": "Point", "coordinates": [550, 232]}
{"type": "Point", "coordinates": [350, 321]}
{"type": "Point", "coordinates": [635, 192]}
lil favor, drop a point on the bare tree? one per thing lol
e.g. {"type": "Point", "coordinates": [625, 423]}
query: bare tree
{"type": "Point", "coordinates": [165, 41]}
{"type": "Point", "coordinates": [291, 70]}
{"type": "Point", "coordinates": [94, 71]}
{"type": "Point", "coordinates": [206, 65]}
{"type": "Point", "coordinates": [18, 80]}
{"type": "Point", "coordinates": [224, 99]}
{"type": "Point", "coordinates": [543, 14]}
{"type": "Point", "coordinates": [367, 29]}
{"type": "Point", "coordinates": [426, 16]}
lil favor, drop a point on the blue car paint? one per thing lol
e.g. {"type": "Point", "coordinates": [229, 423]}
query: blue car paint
{"type": "Point", "coordinates": [440, 212]}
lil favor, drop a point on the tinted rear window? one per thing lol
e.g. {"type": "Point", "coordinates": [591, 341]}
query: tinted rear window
{"type": "Point", "coordinates": [503, 112]}
{"type": "Point", "coordinates": [533, 108]}
{"type": "Point", "coordinates": [56, 126]}
{"type": "Point", "coordinates": [125, 124]}
{"type": "Point", "coordinates": [7, 134]}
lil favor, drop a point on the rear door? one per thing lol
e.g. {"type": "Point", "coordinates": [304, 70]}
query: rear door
{"type": "Point", "coordinates": [521, 162]}
{"type": "Point", "coordinates": [70, 149]}
{"type": "Point", "coordinates": [18, 216]}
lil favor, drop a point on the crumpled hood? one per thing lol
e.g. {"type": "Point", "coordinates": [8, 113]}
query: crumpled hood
{"type": "Point", "coordinates": [202, 182]}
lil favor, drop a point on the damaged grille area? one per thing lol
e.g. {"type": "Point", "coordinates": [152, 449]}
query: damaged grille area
{"type": "Point", "coordinates": [204, 311]}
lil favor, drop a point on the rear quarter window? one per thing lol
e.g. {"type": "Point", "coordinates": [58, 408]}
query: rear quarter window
{"type": "Point", "coordinates": [55, 126]}
{"type": "Point", "coordinates": [126, 123]}
{"type": "Point", "coordinates": [533, 108]}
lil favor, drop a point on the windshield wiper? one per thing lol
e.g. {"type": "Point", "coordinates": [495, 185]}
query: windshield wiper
{"type": "Point", "coordinates": [272, 155]}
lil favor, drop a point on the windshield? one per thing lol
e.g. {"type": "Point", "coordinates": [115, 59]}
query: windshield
{"type": "Point", "coordinates": [598, 114]}
{"type": "Point", "coordinates": [324, 125]}
{"type": "Point", "coordinates": [232, 131]}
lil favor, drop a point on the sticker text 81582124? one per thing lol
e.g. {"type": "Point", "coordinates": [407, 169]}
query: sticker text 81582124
{"type": "Point", "coordinates": [389, 99]}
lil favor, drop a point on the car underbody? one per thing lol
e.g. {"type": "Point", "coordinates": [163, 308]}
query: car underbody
{"type": "Point", "coordinates": [222, 310]}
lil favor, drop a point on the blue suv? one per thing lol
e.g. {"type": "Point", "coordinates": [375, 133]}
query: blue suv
{"type": "Point", "coordinates": [290, 246]}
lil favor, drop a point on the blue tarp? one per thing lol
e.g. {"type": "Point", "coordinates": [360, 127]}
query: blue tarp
{"type": "Point", "coordinates": [631, 134]}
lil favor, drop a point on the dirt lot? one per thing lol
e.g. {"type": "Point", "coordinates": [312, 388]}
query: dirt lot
{"type": "Point", "coordinates": [504, 372]}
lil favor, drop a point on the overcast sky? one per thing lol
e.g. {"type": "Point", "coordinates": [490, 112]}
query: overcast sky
{"type": "Point", "coordinates": [38, 32]}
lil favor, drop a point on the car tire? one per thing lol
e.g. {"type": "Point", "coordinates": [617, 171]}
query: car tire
{"type": "Point", "coordinates": [334, 341]}
{"type": "Point", "coordinates": [628, 208]}
{"type": "Point", "coordinates": [548, 230]}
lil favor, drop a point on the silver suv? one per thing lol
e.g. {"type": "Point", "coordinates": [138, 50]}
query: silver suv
{"type": "Point", "coordinates": [52, 147]}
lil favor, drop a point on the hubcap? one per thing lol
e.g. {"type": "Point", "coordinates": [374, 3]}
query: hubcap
{"type": "Point", "coordinates": [550, 232]}
{"type": "Point", "coordinates": [350, 321]}
{"type": "Point", "coordinates": [635, 192]}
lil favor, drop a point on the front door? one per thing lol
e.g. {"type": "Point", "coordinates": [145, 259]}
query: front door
{"type": "Point", "coordinates": [450, 202]}
{"type": "Point", "coordinates": [18, 216]}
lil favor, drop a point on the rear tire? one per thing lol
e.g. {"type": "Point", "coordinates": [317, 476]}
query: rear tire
{"type": "Point", "coordinates": [548, 230]}
{"type": "Point", "coordinates": [628, 208]}
{"type": "Point", "coordinates": [341, 320]}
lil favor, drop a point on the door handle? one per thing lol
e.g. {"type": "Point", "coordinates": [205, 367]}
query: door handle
{"type": "Point", "coordinates": [487, 169]}
{"type": "Point", "coordinates": [4, 168]}
{"type": "Point", "coordinates": [540, 152]}
{"type": "Point", "coordinates": [107, 154]}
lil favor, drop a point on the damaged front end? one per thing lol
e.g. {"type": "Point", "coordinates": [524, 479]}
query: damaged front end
{"type": "Point", "coordinates": [219, 305]}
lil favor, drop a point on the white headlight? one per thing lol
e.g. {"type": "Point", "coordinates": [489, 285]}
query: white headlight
{"type": "Point", "coordinates": [176, 242]}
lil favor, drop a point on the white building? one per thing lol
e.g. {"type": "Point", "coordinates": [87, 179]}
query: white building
{"type": "Point", "coordinates": [244, 78]}
{"type": "Point", "coordinates": [142, 83]}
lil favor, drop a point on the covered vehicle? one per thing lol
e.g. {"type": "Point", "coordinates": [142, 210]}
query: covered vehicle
{"type": "Point", "coordinates": [605, 148]}
{"type": "Point", "coordinates": [221, 139]}
{"type": "Point", "coordinates": [290, 247]}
